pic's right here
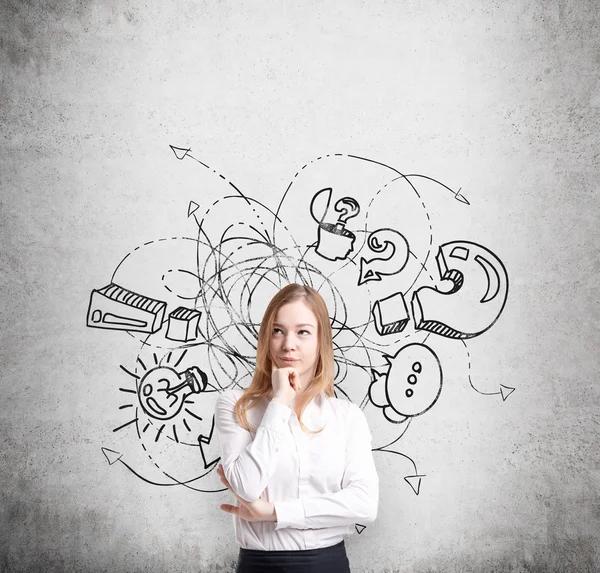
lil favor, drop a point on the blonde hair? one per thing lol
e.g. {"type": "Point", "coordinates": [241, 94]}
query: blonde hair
{"type": "Point", "coordinates": [261, 384]}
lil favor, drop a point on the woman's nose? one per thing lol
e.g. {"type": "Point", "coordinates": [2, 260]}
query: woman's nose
{"type": "Point", "coordinates": [289, 342]}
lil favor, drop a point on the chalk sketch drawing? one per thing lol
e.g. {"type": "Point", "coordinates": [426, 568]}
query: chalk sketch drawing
{"type": "Point", "coordinates": [194, 305]}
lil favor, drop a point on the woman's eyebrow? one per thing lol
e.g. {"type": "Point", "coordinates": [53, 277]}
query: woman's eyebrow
{"type": "Point", "coordinates": [296, 326]}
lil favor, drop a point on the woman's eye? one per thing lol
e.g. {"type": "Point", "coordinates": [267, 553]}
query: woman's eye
{"type": "Point", "coordinates": [276, 330]}
{"type": "Point", "coordinates": [303, 332]}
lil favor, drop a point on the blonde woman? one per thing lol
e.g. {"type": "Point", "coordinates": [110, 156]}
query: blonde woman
{"type": "Point", "coordinates": [297, 459]}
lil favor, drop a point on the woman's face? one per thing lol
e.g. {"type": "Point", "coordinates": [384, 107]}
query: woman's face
{"type": "Point", "coordinates": [295, 339]}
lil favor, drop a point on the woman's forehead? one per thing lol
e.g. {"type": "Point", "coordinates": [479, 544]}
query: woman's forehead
{"type": "Point", "coordinates": [295, 314]}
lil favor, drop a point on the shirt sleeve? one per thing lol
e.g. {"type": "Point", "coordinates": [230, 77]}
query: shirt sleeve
{"type": "Point", "coordinates": [249, 462]}
{"type": "Point", "coordinates": [358, 499]}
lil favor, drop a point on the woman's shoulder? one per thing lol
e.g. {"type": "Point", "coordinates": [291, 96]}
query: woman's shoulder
{"type": "Point", "coordinates": [229, 397]}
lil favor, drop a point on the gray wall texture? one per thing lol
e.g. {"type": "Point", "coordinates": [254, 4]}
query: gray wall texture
{"type": "Point", "coordinates": [500, 100]}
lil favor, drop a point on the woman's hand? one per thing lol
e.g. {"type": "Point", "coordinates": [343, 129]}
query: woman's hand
{"type": "Point", "coordinates": [286, 383]}
{"type": "Point", "coordinates": [259, 510]}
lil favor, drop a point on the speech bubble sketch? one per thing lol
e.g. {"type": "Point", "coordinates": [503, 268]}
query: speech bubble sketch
{"type": "Point", "coordinates": [477, 296]}
{"type": "Point", "coordinates": [393, 249]}
{"type": "Point", "coordinates": [412, 384]}
{"type": "Point", "coordinates": [334, 241]}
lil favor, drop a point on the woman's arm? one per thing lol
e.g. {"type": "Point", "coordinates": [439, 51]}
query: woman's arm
{"type": "Point", "coordinates": [249, 463]}
{"type": "Point", "coordinates": [356, 502]}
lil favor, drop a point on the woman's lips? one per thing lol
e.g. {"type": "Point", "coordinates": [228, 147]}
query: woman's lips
{"type": "Point", "coordinates": [289, 360]}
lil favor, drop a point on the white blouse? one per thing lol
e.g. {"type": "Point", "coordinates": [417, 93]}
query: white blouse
{"type": "Point", "coordinates": [321, 484]}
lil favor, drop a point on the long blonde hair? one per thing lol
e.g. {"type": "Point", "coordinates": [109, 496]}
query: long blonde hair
{"type": "Point", "coordinates": [261, 384]}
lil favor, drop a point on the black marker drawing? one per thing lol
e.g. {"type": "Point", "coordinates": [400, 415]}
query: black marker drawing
{"type": "Point", "coordinates": [113, 457]}
{"type": "Point", "coordinates": [171, 411]}
{"type": "Point", "coordinates": [504, 391]}
{"type": "Point", "coordinates": [183, 324]}
{"type": "Point", "coordinates": [197, 322]}
{"type": "Point", "coordinates": [411, 386]}
{"type": "Point", "coordinates": [414, 482]}
{"type": "Point", "coordinates": [117, 308]}
{"type": "Point", "coordinates": [390, 314]}
{"type": "Point", "coordinates": [476, 298]}
{"type": "Point", "coordinates": [393, 249]}
{"type": "Point", "coordinates": [181, 152]}
{"type": "Point", "coordinates": [162, 391]}
{"type": "Point", "coordinates": [334, 241]}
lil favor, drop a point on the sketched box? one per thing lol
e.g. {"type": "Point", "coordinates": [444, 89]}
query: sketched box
{"type": "Point", "coordinates": [116, 308]}
{"type": "Point", "coordinates": [183, 324]}
{"type": "Point", "coordinates": [390, 314]}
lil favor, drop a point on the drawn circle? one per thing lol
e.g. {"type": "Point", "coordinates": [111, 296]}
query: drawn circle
{"type": "Point", "coordinates": [96, 316]}
{"type": "Point", "coordinates": [409, 392]}
{"type": "Point", "coordinates": [417, 367]}
{"type": "Point", "coordinates": [147, 389]}
{"type": "Point", "coordinates": [412, 379]}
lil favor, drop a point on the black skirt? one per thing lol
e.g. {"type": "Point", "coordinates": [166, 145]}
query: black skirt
{"type": "Point", "coordinates": [322, 560]}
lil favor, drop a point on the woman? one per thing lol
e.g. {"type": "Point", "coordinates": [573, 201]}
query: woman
{"type": "Point", "coordinates": [297, 459]}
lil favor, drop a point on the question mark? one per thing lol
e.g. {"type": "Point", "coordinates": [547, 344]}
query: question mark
{"type": "Point", "coordinates": [394, 249]}
{"type": "Point", "coordinates": [476, 300]}
{"type": "Point", "coordinates": [349, 208]}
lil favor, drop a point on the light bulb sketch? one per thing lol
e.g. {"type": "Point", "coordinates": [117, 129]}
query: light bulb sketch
{"type": "Point", "coordinates": [163, 391]}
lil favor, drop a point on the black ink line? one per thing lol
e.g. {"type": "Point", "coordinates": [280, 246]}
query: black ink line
{"type": "Point", "coordinates": [125, 425]}
{"type": "Point", "coordinates": [192, 414]}
{"type": "Point", "coordinates": [180, 358]}
{"type": "Point", "coordinates": [127, 372]}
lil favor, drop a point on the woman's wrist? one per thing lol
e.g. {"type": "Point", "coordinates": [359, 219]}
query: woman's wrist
{"type": "Point", "coordinates": [281, 400]}
{"type": "Point", "coordinates": [273, 515]}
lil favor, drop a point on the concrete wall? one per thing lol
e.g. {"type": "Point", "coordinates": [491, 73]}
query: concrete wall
{"type": "Point", "coordinates": [497, 100]}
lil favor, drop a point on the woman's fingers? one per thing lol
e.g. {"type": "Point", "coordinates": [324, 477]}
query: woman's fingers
{"type": "Point", "coordinates": [230, 508]}
{"type": "Point", "coordinates": [294, 380]}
